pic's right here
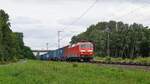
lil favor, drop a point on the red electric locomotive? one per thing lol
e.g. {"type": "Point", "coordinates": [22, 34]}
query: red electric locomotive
{"type": "Point", "coordinates": [82, 51]}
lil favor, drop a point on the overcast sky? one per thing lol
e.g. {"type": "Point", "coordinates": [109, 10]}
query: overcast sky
{"type": "Point", "coordinates": [40, 20]}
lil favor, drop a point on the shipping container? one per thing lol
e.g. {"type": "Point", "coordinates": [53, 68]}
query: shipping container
{"type": "Point", "coordinates": [51, 55]}
{"type": "Point", "coordinates": [44, 56]}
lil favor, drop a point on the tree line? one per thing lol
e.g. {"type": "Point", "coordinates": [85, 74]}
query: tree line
{"type": "Point", "coordinates": [12, 46]}
{"type": "Point", "coordinates": [118, 39]}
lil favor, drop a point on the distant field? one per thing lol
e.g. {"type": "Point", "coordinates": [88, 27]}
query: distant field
{"type": "Point", "coordinates": [38, 72]}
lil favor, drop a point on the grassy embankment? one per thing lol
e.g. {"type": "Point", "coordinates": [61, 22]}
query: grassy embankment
{"type": "Point", "coordinates": [39, 72]}
{"type": "Point", "coordinates": [136, 60]}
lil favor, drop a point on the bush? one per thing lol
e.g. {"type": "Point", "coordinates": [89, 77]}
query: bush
{"type": "Point", "coordinates": [142, 60]}
{"type": "Point", "coordinates": [108, 59]}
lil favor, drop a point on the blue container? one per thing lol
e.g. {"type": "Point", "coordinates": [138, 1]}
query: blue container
{"type": "Point", "coordinates": [57, 54]}
{"type": "Point", "coordinates": [51, 55]}
{"type": "Point", "coordinates": [45, 56]}
{"type": "Point", "coordinates": [60, 53]}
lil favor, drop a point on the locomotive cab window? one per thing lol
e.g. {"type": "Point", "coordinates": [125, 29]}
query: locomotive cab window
{"type": "Point", "coordinates": [86, 45]}
{"type": "Point", "coordinates": [83, 46]}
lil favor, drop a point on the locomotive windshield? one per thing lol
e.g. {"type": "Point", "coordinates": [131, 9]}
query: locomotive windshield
{"type": "Point", "coordinates": [86, 45]}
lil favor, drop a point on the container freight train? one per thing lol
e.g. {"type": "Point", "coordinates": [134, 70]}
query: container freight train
{"type": "Point", "coordinates": [81, 51]}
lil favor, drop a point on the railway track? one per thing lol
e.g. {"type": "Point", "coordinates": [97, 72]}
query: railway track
{"type": "Point", "coordinates": [121, 63]}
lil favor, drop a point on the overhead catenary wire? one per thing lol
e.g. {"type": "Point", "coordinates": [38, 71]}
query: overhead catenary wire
{"type": "Point", "coordinates": [130, 12]}
{"type": "Point", "coordinates": [90, 7]}
{"type": "Point", "coordinates": [82, 15]}
{"type": "Point", "coordinates": [124, 15]}
{"type": "Point", "coordinates": [117, 17]}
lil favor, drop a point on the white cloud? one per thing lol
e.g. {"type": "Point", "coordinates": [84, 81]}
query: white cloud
{"type": "Point", "coordinates": [39, 20]}
{"type": "Point", "coordinates": [25, 20]}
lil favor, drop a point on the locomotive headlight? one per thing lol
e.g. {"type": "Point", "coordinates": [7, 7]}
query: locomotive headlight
{"type": "Point", "coordinates": [83, 51]}
{"type": "Point", "coordinates": [90, 50]}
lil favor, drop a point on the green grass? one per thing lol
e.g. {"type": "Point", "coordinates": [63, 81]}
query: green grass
{"type": "Point", "coordinates": [37, 72]}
